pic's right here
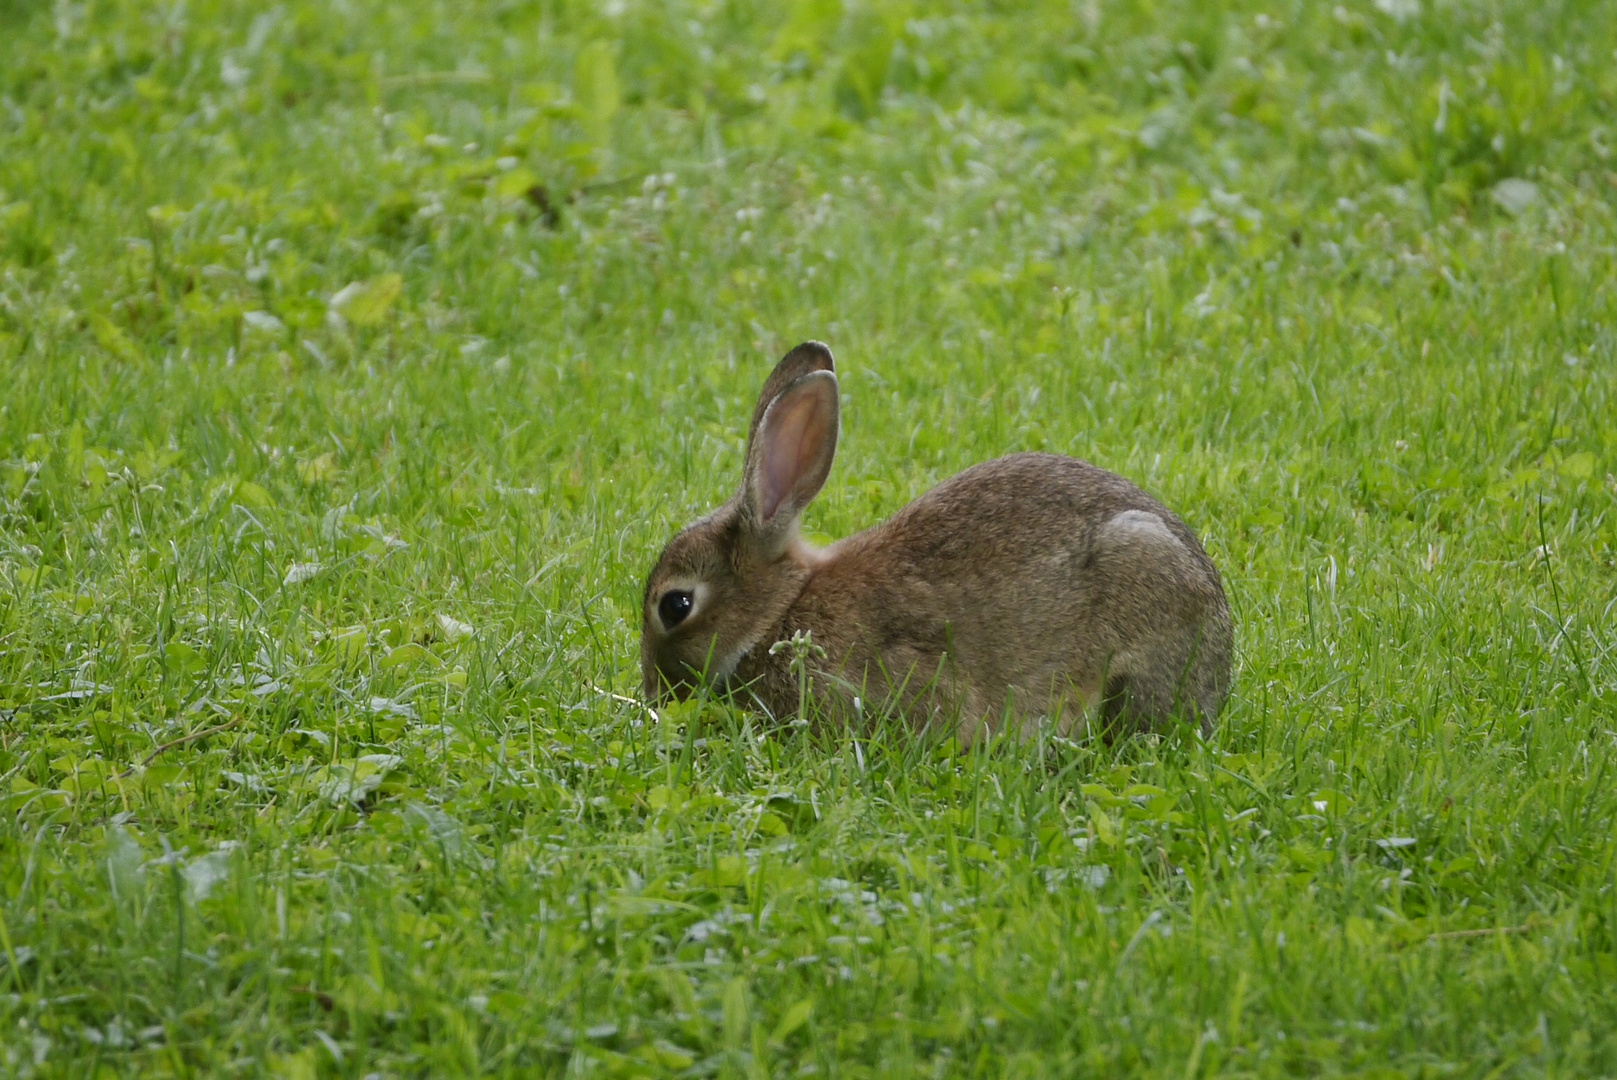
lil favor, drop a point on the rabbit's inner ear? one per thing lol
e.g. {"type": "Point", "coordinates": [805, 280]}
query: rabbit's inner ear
{"type": "Point", "coordinates": [797, 441]}
{"type": "Point", "coordinates": [807, 357]}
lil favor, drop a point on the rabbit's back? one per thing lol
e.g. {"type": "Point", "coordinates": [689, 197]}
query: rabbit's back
{"type": "Point", "coordinates": [1035, 583]}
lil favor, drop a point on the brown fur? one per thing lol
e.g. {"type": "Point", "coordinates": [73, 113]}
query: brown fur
{"type": "Point", "coordinates": [1033, 586]}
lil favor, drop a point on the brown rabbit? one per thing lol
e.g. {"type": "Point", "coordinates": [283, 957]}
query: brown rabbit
{"type": "Point", "coordinates": [1031, 586]}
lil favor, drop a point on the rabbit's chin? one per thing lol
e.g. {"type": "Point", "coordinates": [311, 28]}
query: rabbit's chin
{"type": "Point", "coordinates": [726, 667]}
{"type": "Point", "coordinates": [723, 669]}
{"type": "Point", "coordinates": [718, 677]}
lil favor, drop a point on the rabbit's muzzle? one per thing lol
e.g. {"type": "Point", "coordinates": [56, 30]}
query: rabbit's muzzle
{"type": "Point", "coordinates": [659, 683]}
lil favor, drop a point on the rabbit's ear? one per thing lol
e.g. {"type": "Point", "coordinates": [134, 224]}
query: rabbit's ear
{"type": "Point", "coordinates": [790, 456]}
{"type": "Point", "coordinates": [808, 357]}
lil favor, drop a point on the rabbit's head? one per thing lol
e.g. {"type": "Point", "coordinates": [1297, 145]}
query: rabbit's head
{"type": "Point", "coordinates": [727, 580]}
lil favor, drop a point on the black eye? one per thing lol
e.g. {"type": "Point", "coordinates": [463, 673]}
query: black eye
{"type": "Point", "coordinates": [673, 608]}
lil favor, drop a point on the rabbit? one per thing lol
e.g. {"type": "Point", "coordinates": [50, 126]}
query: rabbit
{"type": "Point", "coordinates": [1032, 588]}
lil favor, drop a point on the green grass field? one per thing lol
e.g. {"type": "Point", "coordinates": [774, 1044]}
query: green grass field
{"type": "Point", "coordinates": [357, 359]}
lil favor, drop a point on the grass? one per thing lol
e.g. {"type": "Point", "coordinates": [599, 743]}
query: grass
{"type": "Point", "coordinates": [359, 358]}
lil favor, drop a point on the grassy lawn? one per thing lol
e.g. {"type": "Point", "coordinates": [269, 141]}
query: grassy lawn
{"type": "Point", "coordinates": [356, 360]}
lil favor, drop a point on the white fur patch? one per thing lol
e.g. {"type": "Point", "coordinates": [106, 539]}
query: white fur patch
{"type": "Point", "coordinates": [1141, 526]}
{"type": "Point", "coordinates": [726, 665]}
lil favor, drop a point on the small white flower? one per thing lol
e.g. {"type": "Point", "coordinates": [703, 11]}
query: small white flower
{"type": "Point", "coordinates": [454, 629]}
{"type": "Point", "coordinates": [1514, 195]}
{"type": "Point", "coordinates": [263, 320]}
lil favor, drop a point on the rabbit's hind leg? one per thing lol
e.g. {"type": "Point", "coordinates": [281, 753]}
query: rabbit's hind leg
{"type": "Point", "coordinates": [1170, 625]}
{"type": "Point", "coordinates": [1178, 680]}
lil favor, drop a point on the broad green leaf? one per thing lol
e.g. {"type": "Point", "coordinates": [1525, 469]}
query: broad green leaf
{"type": "Point", "coordinates": [795, 1016]}
{"type": "Point", "coordinates": [367, 303]}
{"type": "Point", "coordinates": [1105, 831]}
{"type": "Point", "coordinates": [515, 183]}
{"type": "Point", "coordinates": [251, 495]}
{"type": "Point", "coordinates": [409, 655]}
{"type": "Point", "coordinates": [1579, 466]}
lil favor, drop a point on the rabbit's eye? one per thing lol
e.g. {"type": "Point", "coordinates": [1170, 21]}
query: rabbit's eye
{"type": "Point", "coordinates": [673, 607]}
